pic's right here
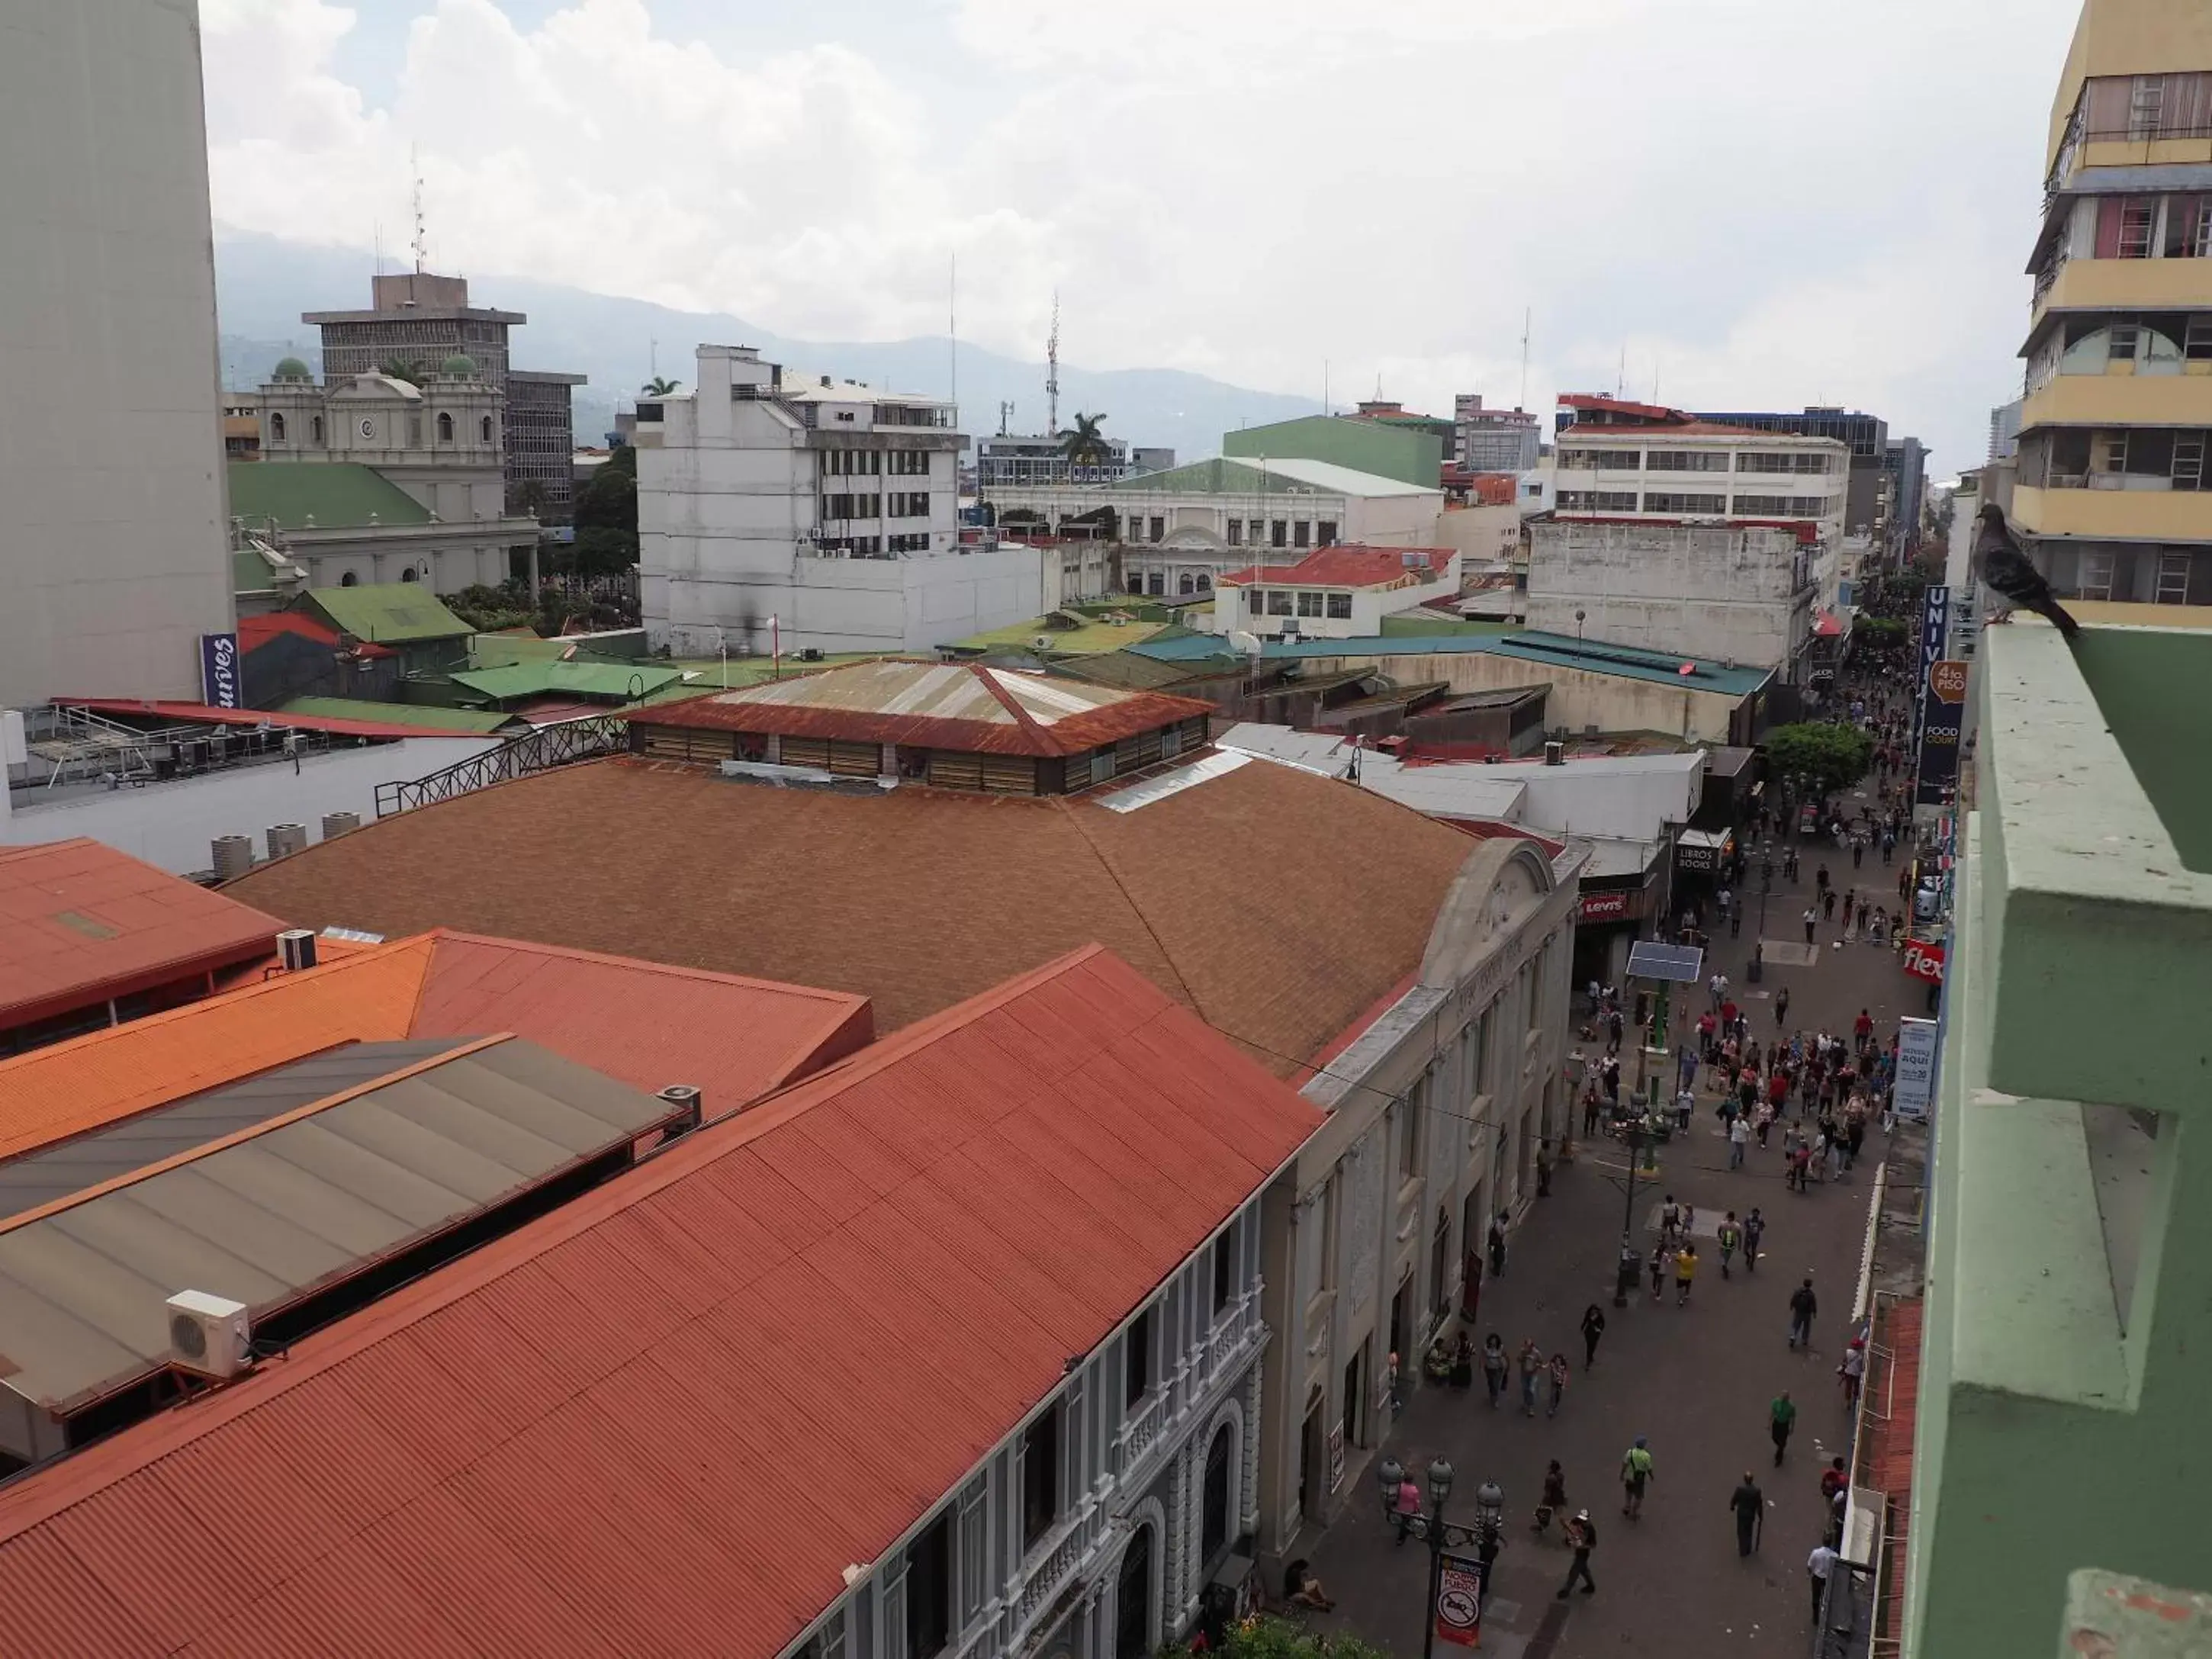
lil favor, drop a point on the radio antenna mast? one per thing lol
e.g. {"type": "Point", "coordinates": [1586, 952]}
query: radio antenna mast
{"type": "Point", "coordinates": [1052, 372]}
{"type": "Point", "coordinates": [1528, 316]}
{"type": "Point", "coordinates": [421, 249]}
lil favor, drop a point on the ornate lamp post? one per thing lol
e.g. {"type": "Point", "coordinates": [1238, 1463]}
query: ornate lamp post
{"type": "Point", "coordinates": [1486, 1537]}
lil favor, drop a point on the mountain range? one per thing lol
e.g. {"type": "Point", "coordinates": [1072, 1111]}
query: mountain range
{"type": "Point", "coordinates": [262, 283]}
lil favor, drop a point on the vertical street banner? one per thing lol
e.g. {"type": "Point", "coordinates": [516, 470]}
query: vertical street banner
{"type": "Point", "coordinates": [219, 671]}
{"type": "Point", "coordinates": [1458, 1611]}
{"type": "Point", "coordinates": [1942, 706]}
{"type": "Point", "coordinates": [1916, 1068]}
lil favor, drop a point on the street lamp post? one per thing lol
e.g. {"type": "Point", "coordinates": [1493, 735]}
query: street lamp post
{"type": "Point", "coordinates": [1486, 1537]}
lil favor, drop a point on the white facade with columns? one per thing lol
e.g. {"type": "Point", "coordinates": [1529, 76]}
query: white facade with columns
{"type": "Point", "coordinates": [1438, 1110]}
{"type": "Point", "coordinates": [1139, 1528]}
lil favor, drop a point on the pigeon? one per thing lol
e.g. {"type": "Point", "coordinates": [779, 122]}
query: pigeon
{"type": "Point", "coordinates": [2007, 573]}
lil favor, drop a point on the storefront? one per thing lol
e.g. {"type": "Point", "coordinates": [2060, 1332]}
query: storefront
{"type": "Point", "coordinates": [1701, 858]}
{"type": "Point", "coordinates": [1619, 905]}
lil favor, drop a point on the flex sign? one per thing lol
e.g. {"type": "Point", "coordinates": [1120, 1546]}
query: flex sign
{"type": "Point", "coordinates": [219, 687]}
{"type": "Point", "coordinates": [1924, 960]}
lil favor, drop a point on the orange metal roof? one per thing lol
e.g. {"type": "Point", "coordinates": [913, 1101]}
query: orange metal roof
{"type": "Point", "coordinates": [81, 922]}
{"type": "Point", "coordinates": [642, 1024]}
{"type": "Point", "coordinates": [50, 1094]}
{"type": "Point", "coordinates": [509, 1454]}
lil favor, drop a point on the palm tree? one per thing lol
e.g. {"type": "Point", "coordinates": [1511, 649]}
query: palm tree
{"type": "Point", "coordinates": [660, 387]}
{"type": "Point", "coordinates": [1082, 444]}
{"type": "Point", "coordinates": [404, 368]}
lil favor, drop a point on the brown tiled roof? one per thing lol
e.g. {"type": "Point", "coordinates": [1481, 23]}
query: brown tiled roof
{"type": "Point", "coordinates": [969, 708]}
{"type": "Point", "coordinates": [1278, 905]}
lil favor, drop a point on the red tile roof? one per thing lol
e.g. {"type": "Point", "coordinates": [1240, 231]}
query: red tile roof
{"type": "Point", "coordinates": [1353, 564]}
{"type": "Point", "coordinates": [643, 1024]}
{"type": "Point", "coordinates": [200, 714]}
{"type": "Point", "coordinates": [81, 923]}
{"type": "Point", "coordinates": [966, 707]}
{"type": "Point", "coordinates": [530, 1450]}
{"type": "Point", "coordinates": [916, 898]}
{"type": "Point", "coordinates": [1685, 427]}
{"type": "Point", "coordinates": [254, 632]}
{"type": "Point", "coordinates": [1597, 402]}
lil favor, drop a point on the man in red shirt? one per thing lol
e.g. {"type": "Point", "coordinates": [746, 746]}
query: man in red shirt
{"type": "Point", "coordinates": [1862, 1028]}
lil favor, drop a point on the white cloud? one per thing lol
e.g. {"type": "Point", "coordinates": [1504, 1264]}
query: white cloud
{"type": "Point", "coordinates": [1780, 204]}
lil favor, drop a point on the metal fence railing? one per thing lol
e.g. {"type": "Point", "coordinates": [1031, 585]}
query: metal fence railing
{"type": "Point", "coordinates": [540, 751]}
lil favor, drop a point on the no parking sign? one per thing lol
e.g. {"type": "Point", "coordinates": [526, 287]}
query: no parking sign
{"type": "Point", "coordinates": [1459, 1600]}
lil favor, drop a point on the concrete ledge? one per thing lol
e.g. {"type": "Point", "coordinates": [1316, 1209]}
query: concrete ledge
{"type": "Point", "coordinates": [2089, 892]}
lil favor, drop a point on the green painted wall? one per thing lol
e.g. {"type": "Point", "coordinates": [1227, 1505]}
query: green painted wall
{"type": "Point", "coordinates": [2156, 691]}
{"type": "Point", "coordinates": [1389, 451]}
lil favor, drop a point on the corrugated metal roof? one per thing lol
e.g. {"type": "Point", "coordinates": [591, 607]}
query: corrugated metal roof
{"type": "Point", "coordinates": [285, 1207]}
{"type": "Point", "coordinates": [507, 1455]}
{"type": "Point", "coordinates": [200, 714]}
{"type": "Point", "coordinates": [46, 1176]}
{"type": "Point", "coordinates": [967, 707]}
{"type": "Point", "coordinates": [81, 922]}
{"type": "Point", "coordinates": [480, 721]}
{"type": "Point", "coordinates": [389, 613]}
{"type": "Point", "coordinates": [624, 681]}
{"type": "Point", "coordinates": [320, 495]}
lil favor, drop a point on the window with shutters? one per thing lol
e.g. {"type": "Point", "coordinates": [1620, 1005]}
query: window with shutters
{"type": "Point", "coordinates": [1040, 1479]}
{"type": "Point", "coordinates": [1137, 1360]}
{"type": "Point", "coordinates": [929, 1590]}
{"type": "Point", "coordinates": [975, 1551]}
{"type": "Point", "coordinates": [806, 752]}
{"type": "Point", "coordinates": [1309, 604]}
{"type": "Point", "coordinates": [947, 770]}
{"type": "Point", "coordinates": [1339, 607]}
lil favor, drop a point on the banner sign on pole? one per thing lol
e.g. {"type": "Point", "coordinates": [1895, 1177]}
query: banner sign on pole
{"type": "Point", "coordinates": [1458, 1611]}
{"type": "Point", "coordinates": [1916, 1068]}
{"type": "Point", "coordinates": [1942, 706]}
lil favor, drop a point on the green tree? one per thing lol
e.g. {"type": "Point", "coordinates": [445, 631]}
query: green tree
{"type": "Point", "coordinates": [606, 516]}
{"type": "Point", "coordinates": [1269, 1638]}
{"type": "Point", "coordinates": [1083, 443]}
{"type": "Point", "coordinates": [660, 387]}
{"type": "Point", "coordinates": [1830, 757]}
{"type": "Point", "coordinates": [404, 368]}
{"type": "Point", "coordinates": [1881, 633]}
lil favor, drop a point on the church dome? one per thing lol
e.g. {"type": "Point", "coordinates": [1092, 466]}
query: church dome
{"type": "Point", "coordinates": [290, 369]}
{"type": "Point", "coordinates": [461, 366]}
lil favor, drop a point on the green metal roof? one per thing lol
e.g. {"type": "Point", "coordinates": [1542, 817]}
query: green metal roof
{"type": "Point", "coordinates": [618, 681]}
{"type": "Point", "coordinates": [388, 613]}
{"type": "Point", "coordinates": [399, 714]}
{"type": "Point", "coordinates": [336, 495]}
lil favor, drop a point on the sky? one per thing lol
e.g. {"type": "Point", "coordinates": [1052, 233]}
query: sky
{"type": "Point", "coordinates": [1722, 203]}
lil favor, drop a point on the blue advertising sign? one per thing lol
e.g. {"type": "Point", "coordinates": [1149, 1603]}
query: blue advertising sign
{"type": "Point", "coordinates": [1942, 706]}
{"type": "Point", "coordinates": [219, 683]}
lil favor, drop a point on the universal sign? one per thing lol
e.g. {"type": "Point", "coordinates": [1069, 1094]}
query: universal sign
{"type": "Point", "coordinates": [219, 687]}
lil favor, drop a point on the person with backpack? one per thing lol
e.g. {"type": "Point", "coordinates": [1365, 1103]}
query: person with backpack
{"type": "Point", "coordinates": [1636, 1473]}
{"type": "Point", "coordinates": [1803, 1305]}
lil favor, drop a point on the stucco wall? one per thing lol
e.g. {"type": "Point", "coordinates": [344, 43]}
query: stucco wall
{"type": "Point", "coordinates": [110, 439]}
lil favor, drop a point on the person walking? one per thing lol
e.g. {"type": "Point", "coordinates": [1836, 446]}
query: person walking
{"type": "Point", "coordinates": [1803, 1305]}
{"type": "Point", "coordinates": [1748, 1505]}
{"type": "Point", "coordinates": [1754, 1225]}
{"type": "Point", "coordinates": [1582, 1538]}
{"type": "Point", "coordinates": [1853, 1371]}
{"type": "Point", "coordinates": [1820, 879]}
{"type": "Point", "coordinates": [1497, 1244]}
{"type": "Point", "coordinates": [1685, 1269]}
{"type": "Point", "coordinates": [1781, 1007]}
{"type": "Point", "coordinates": [1636, 1473]}
{"type": "Point", "coordinates": [1739, 1136]}
{"type": "Point", "coordinates": [1558, 1370]}
{"type": "Point", "coordinates": [1494, 1367]}
{"type": "Point", "coordinates": [1812, 921]}
{"type": "Point", "coordinates": [1530, 1360]}
{"type": "Point", "coordinates": [1858, 849]}
{"type": "Point", "coordinates": [1407, 1502]}
{"type": "Point", "coordinates": [1593, 1328]}
{"type": "Point", "coordinates": [1731, 1235]}
{"type": "Point", "coordinates": [1828, 904]}
{"type": "Point", "coordinates": [1553, 1500]}
{"type": "Point", "coordinates": [1818, 1565]}
{"type": "Point", "coordinates": [1670, 1220]}
{"type": "Point", "coordinates": [1661, 1260]}
{"type": "Point", "coordinates": [1781, 1419]}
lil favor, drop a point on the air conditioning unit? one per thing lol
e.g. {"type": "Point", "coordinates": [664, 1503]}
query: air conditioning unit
{"type": "Point", "coordinates": [1555, 754]}
{"type": "Point", "coordinates": [209, 1335]}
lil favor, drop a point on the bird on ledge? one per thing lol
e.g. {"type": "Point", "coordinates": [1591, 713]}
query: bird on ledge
{"type": "Point", "coordinates": [2006, 572]}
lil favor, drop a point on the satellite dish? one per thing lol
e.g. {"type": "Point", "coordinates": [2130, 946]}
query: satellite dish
{"type": "Point", "coordinates": [1246, 644]}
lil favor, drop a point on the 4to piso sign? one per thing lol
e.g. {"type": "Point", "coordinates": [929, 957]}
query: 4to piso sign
{"type": "Point", "coordinates": [1458, 1610]}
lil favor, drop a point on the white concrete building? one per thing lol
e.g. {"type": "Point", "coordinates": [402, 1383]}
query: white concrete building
{"type": "Point", "coordinates": [1334, 593]}
{"type": "Point", "coordinates": [110, 441]}
{"type": "Point", "coordinates": [442, 442]}
{"type": "Point", "coordinates": [829, 507]}
{"type": "Point", "coordinates": [1179, 531]}
{"type": "Point", "coordinates": [1730, 593]}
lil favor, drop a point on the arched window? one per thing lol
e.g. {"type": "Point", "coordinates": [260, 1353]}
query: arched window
{"type": "Point", "coordinates": [445, 428]}
{"type": "Point", "coordinates": [408, 575]}
{"type": "Point", "coordinates": [1132, 1599]}
{"type": "Point", "coordinates": [1213, 1524]}
{"type": "Point", "coordinates": [485, 429]}
{"type": "Point", "coordinates": [1186, 584]}
{"type": "Point", "coordinates": [315, 428]}
{"type": "Point", "coordinates": [276, 428]}
{"type": "Point", "coordinates": [348, 580]}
